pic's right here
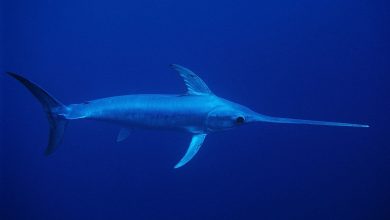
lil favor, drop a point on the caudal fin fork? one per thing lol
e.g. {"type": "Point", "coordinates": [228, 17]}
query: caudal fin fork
{"type": "Point", "coordinates": [52, 107]}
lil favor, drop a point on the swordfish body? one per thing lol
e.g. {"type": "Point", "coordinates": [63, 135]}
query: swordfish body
{"type": "Point", "coordinates": [151, 111]}
{"type": "Point", "coordinates": [198, 111]}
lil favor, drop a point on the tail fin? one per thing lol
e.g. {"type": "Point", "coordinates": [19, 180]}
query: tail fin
{"type": "Point", "coordinates": [53, 109]}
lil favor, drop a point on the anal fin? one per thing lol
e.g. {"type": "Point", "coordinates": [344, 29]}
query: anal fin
{"type": "Point", "coordinates": [123, 134]}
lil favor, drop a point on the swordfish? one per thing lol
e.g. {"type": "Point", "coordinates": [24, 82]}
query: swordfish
{"type": "Point", "coordinates": [197, 111]}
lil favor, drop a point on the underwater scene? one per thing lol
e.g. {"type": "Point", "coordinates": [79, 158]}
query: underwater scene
{"type": "Point", "coordinates": [167, 109]}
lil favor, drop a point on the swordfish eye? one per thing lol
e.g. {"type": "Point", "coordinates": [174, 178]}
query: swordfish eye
{"type": "Point", "coordinates": [240, 120]}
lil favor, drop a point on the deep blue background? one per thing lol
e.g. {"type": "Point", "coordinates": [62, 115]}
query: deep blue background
{"type": "Point", "coordinates": [326, 59]}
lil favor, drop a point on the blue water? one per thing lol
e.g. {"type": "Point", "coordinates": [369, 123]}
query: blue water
{"type": "Point", "coordinates": [324, 60]}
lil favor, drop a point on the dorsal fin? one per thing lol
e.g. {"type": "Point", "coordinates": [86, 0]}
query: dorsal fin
{"type": "Point", "coordinates": [195, 85]}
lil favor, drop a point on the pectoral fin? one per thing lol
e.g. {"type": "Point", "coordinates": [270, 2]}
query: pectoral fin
{"type": "Point", "coordinates": [196, 143]}
{"type": "Point", "coordinates": [123, 134]}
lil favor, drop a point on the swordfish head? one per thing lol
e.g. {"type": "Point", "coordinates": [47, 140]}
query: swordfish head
{"type": "Point", "coordinates": [228, 115]}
